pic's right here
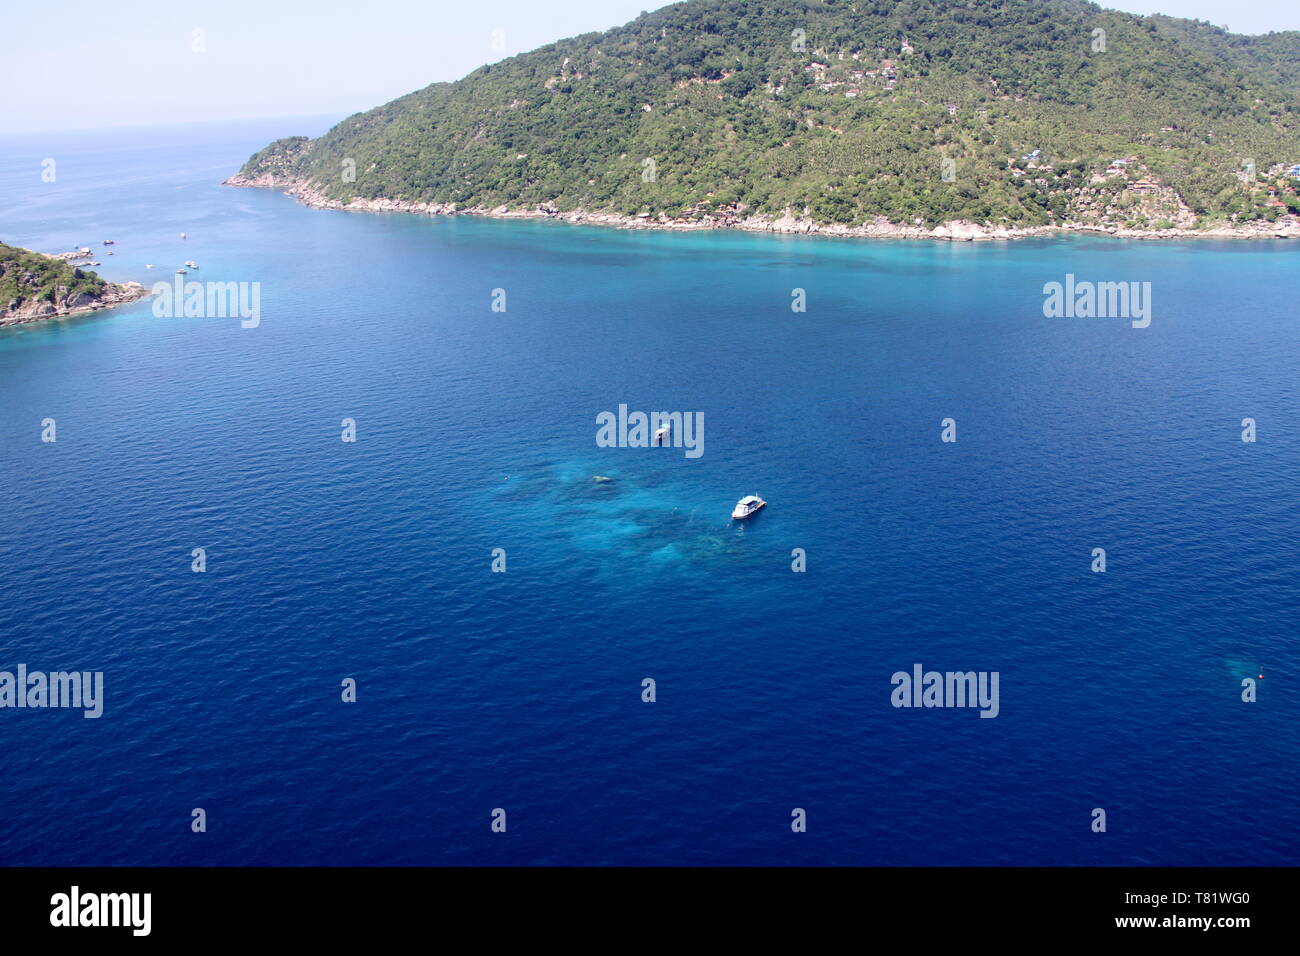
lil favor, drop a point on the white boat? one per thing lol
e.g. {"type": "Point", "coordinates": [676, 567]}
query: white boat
{"type": "Point", "coordinates": [148, 265]}
{"type": "Point", "coordinates": [662, 433]}
{"type": "Point", "coordinates": [191, 264]}
{"type": "Point", "coordinates": [182, 235]}
{"type": "Point", "coordinates": [181, 272]}
{"type": "Point", "coordinates": [747, 506]}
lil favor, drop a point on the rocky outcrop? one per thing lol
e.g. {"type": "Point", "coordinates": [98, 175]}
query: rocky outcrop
{"type": "Point", "coordinates": [35, 291]}
{"type": "Point", "coordinates": [114, 294]}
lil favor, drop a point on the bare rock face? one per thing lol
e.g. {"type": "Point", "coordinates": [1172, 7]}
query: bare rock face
{"type": "Point", "coordinates": [126, 292]}
{"type": "Point", "coordinates": [962, 231]}
{"type": "Point", "coordinates": [264, 180]}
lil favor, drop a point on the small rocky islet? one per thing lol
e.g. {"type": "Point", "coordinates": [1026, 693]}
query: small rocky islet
{"type": "Point", "coordinates": [35, 286]}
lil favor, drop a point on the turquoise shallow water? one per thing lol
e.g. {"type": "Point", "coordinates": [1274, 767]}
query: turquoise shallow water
{"type": "Point", "coordinates": [476, 430]}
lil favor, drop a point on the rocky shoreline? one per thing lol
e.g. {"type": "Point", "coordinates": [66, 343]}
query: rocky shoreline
{"type": "Point", "coordinates": [309, 194]}
{"type": "Point", "coordinates": [114, 294]}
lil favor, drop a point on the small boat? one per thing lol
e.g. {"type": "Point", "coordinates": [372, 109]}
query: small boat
{"type": "Point", "coordinates": [148, 265]}
{"type": "Point", "coordinates": [746, 506]}
{"type": "Point", "coordinates": [181, 272]}
{"type": "Point", "coordinates": [108, 252]}
{"type": "Point", "coordinates": [662, 433]}
{"type": "Point", "coordinates": [182, 235]}
{"type": "Point", "coordinates": [108, 242]}
{"type": "Point", "coordinates": [191, 264]}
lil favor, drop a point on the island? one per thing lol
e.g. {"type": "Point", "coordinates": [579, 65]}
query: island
{"type": "Point", "coordinates": [35, 286]}
{"type": "Point", "coordinates": [911, 119]}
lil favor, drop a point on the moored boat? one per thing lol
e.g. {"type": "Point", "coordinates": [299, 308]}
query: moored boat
{"type": "Point", "coordinates": [747, 506]}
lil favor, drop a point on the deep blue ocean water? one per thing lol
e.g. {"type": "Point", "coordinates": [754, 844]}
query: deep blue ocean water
{"type": "Point", "coordinates": [476, 430]}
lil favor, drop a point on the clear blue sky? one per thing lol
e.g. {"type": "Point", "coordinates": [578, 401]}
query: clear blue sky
{"type": "Point", "coordinates": [75, 64]}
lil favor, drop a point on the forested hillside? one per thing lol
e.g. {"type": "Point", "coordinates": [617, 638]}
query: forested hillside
{"type": "Point", "coordinates": [30, 279]}
{"type": "Point", "coordinates": [1005, 112]}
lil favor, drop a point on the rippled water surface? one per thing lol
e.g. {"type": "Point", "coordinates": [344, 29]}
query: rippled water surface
{"type": "Point", "coordinates": [476, 430]}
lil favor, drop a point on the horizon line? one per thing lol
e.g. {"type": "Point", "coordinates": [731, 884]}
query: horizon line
{"type": "Point", "coordinates": [38, 131]}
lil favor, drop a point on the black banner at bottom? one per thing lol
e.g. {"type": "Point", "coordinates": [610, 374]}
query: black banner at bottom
{"type": "Point", "coordinates": [374, 904]}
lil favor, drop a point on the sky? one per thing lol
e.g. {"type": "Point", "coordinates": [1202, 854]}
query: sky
{"type": "Point", "coordinates": [80, 64]}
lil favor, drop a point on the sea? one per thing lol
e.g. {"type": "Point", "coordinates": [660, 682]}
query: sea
{"type": "Point", "coordinates": [445, 642]}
